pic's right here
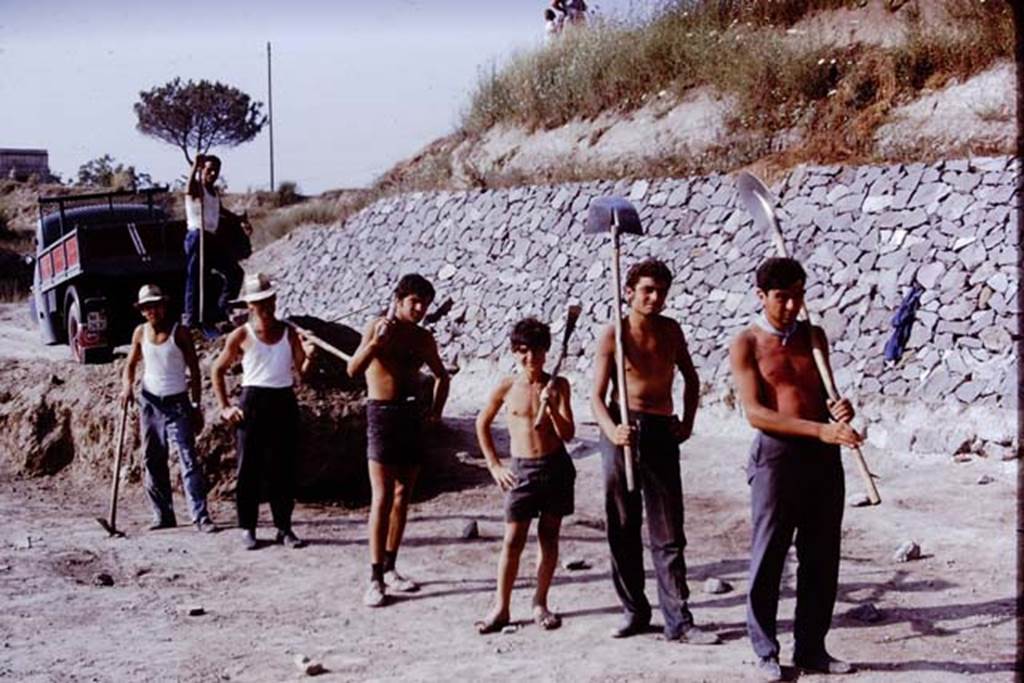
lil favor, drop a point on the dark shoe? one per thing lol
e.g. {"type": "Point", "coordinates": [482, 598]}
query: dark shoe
{"type": "Point", "coordinates": [694, 635]}
{"type": "Point", "coordinates": [249, 539]}
{"type": "Point", "coordinates": [632, 626]}
{"type": "Point", "coordinates": [207, 526]}
{"type": "Point", "coordinates": [162, 524]}
{"type": "Point", "coordinates": [824, 663]}
{"type": "Point", "coordinates": [768, 669]}
{"type": "Point", "coordinates": [288, 538]}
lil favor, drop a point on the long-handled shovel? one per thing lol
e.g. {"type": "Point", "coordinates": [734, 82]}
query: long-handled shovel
{"type": "Point", "coordinates": [616, 216]}
{"type": "Point", "coordinates": [757, 200]}
{"type": "Point", "coordinates": [111, 524]}
{"type": "Point", "coordinates": [570, 324]}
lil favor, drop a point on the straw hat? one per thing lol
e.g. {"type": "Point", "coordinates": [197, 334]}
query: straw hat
{"type": "Point", "coordinates": [256, 287]}
{"type": "Point", "coordinates": [150, 294]}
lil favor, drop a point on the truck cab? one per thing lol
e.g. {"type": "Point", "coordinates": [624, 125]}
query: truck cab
{"type": "Point", "coordinates": [93, 252]}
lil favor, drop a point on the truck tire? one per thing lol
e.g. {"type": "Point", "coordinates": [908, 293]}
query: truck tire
{"type": "Point", "coordinates": [73, 323]}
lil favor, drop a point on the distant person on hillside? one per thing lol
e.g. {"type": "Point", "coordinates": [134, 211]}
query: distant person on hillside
{"type": "Point", "coordinates": [170, 413]}
{"type": "Point", "coordinates": [541, 478]}
{"type": "Point", "coordinates": [203, 210]}
{"type": "Point", "coordinates": [552, 24]}
{"type": "Point", "coordinates": [573, 11]}
{"type": "Point", "coordinates": [392, 351]}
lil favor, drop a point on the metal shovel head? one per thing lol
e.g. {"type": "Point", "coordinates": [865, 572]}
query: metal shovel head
{"type": "Point", "coordinates": [756, 198]}
{"type": "Point", "coordinates": [111, 531]}
{"type": "Point", "coordinates": [604, 210]}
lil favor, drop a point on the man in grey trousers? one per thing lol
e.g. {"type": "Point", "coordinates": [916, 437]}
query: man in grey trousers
{"type": "Point", "coordinates": [795, 472]}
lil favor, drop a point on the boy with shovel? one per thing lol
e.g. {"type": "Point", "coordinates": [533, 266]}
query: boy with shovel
{"type": "Point", "coordinates": [654, 347]}
{"type": "Point", "coordinates": [391, 353]}
{"type": "Point", "coordinates": [541, 479]}
{"type": "Point", "coordinates": [169, 408]}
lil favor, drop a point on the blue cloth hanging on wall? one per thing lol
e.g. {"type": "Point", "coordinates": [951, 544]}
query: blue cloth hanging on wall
{"type": "Point", "coordinates": [902, 322]}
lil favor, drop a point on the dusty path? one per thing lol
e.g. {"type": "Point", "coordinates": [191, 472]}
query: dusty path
{"type": "Point", "coordinates": [946, 615]}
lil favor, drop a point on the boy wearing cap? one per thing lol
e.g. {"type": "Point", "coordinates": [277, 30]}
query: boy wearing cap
{"type": "Point", "coordinates": [267, 415]}
{"type": "Point", "coordinates": [391, 353]}
{"type": "Point", "coordinates": [541, 479]}
{"type": "Point", "coordinates": [169, 408]}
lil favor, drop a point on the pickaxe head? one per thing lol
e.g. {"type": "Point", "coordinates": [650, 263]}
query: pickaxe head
{"type": "Point", "coordinates": [606, 211]}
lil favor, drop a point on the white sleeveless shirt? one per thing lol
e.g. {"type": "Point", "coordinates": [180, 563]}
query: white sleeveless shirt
{"type": "Point", "coordinates": [164, 370]}
{"type": "Point", "coordinates": [209, 208]}
{"type": "Point", "coordinates": [267, 365]}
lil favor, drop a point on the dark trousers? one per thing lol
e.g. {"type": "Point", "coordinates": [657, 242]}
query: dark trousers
{"type": "Point", "coordinates": [796, 486]}
{"type": "Point", "coordinates": [166, 421]}
{"type": "Point", "coordinates": [659, 488]}
{"type": "Point", "coordinates": [216, 260]}
{"type": "Point", "coordinates": [266, 442]}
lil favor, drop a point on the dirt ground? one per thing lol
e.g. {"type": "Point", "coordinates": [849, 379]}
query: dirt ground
{"type": "Point", "coordinates": [946, 615]}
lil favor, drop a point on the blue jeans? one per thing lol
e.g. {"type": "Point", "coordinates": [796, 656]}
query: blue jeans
{"type": "Point", "coordinates": [166, 421]}
{"type": "Point", "coordinates": [659, 488]}
{"type": "Point", "coordinates": [216, 261]}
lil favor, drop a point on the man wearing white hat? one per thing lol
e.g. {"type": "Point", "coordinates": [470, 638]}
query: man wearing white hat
{"type": "Point", "coordinates": [267, 415]}
{"type": "Point", "coordinates": [169, 408]}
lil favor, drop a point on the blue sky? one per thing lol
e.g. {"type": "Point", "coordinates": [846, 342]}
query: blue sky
{"type": "Point", "coordinates": [357, 85]}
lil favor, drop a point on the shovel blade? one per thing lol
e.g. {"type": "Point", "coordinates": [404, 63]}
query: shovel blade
{"type": "Point", "coordinates": [757, 200]}
{"type": "Point", "coordinates": [111, 531]}
{"type": "Point", "coordinates": [604, 210]}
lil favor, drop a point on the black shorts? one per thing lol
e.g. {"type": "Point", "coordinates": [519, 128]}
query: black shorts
{"type": "Point", "coordinates": [393, 431]}
{"type": "Point", "coordinates": [543, 485]}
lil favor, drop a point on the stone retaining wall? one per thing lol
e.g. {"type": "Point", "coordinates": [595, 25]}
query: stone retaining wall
{"type": "Point", "coordinates": [865, 235]}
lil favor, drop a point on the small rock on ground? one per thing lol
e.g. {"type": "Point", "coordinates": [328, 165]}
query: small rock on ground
{"type": "Point", "coordinates": [907, 552]}
{"type": "Point", "coordinates": [308, 666]}
{"type": "Point", "coordinates": [575, 565]}
{"type": "Point", "coordinates": [985, 479]}
{"type": "Point", "coordinates": [104, 580]}
{"type": "Point", "coordinates": [858, 500]}
{"type": "Point", "coordinates": [716, 586]}
{"type": "Point", "coordinates": [866, 612]}
{"type": "Point", "coordinates": [193, 610]}
{"type": "Point", "coordinates": [470, 531]}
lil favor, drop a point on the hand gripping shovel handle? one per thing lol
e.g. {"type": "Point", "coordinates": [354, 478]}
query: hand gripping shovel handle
{"type": "Point", "coordinates": [317, 341]}
{"type": "Point", "coordinates": [110, 524]}
{"type": "Point", "coordinates": [570, 326]}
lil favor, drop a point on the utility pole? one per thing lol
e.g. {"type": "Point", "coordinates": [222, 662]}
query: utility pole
{"type": "Point", "coordinates": [270, 118]}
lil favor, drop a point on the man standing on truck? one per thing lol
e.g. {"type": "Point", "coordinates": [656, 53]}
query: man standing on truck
{"type": "Point", "coordinates": [204, 211]}
{"type": "Point", "coordinates": [169, 408]}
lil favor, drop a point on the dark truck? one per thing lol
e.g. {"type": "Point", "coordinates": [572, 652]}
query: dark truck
{"type": "Point", "coordinates": [93, 252]}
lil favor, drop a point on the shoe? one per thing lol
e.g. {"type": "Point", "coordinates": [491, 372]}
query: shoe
{"type": "Point", "coordinates": [162, 524]}
{"type": "Point", "coordinates": [207, 526]}
{"type": "Point", "coordinates": [249, 539]}
{"type": "Point", "coordinates": [397, 582]}
{"type": "Point", "coordinates": [288, 538]}
{"type": "Point", "coordinates": [768, 669]}
{"type": "Point", "coordinates": [694, 635]}
{"type": "Point", "coordinates": [374, 595]}
{"type": "Point", "coordinates": [631, 627]}
{"type": "Point", "coordinates": [824, 663]}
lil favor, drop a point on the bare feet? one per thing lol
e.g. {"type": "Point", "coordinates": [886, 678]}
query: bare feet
{"type": "Point", "coordinates": [545, 618]}
{"type": "Point", "coordinates": [493, 622]}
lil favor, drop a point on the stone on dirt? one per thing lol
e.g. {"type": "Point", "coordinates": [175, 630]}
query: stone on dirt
{"type": "Point", "coordinates": [309, 667]}
{"type": "Point", "coordinates": [985, 479]}
{"type": "Point", "coordinates": [575, 565]}
{"type": "Point", "coordinates": [471, 530]}
{"type": "Point", "coordinates": [858, 500]}
{"type": "Point", "coordinates": [104, 579]}
{"type": "Point", "coordinates": [866, 613]}
{"type": "Point", "coordinates": [907, 552]}
{"type": "Point", "coordinates": [716, 586]}
{"type": "Point", "coordinates": [192, 610]}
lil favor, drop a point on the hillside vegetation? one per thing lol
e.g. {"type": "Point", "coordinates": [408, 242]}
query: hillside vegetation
{"type": "Point", "coordinates": [797, 88]}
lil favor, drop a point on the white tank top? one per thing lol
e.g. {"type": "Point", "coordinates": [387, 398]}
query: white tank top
{"type": "Point", "coordinates": [196, 209]}
{"type": "Point", "coordinates": [164, 370]}
{"type": "Point", "coordinates": [267, 365]}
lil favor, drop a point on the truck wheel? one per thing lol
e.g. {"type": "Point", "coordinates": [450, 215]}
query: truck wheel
{"type": "Point", "coordinates": [73, 321]}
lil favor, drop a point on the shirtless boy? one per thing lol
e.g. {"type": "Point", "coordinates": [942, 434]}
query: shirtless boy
{"type": "Point", "coordinates": [541, 478]}
{"type": "Point", "coordinates": [654, 348]}
{"type": "Point", "coordinates": [794, 471]}
{"type": "Point", "coordinates": [391, 353]}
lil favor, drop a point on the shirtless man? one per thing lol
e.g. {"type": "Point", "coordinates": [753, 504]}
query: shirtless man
{"type": "Point", "coordinates": [391, 353]}
{"type": "Point", "coordinates": [794, 471]}
{"type": "Point", "coordinates": [654, 348]}
{"type": "Point", "coordinates": [541, 479]}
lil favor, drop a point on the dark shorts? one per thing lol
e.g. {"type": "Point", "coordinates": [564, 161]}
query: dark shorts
{"type": "Point", "coordinates": [393, 432]}
{"type": "Point", "coordinates": [544, 485]}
